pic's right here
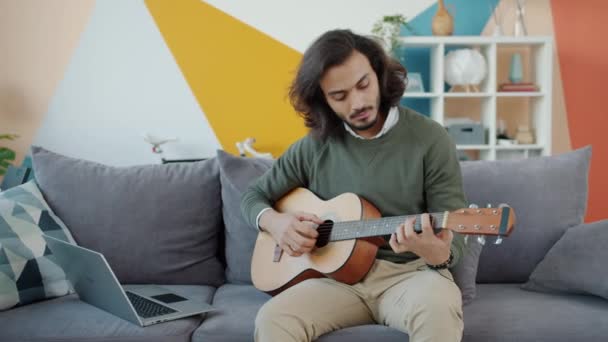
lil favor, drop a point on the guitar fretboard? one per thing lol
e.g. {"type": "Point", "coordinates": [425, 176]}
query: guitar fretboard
{"type": "Point", "coordinates": [375, 227]}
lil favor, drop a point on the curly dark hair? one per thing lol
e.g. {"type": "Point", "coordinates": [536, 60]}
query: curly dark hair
{"type": "Point", "coordinates": [332, 49]}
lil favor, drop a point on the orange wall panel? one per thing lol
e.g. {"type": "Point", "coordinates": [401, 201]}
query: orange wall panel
{"type": "Point", "coordinates": [580, 35]}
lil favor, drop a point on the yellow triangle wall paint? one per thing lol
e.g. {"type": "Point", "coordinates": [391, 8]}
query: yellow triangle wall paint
{"type": "Point", "coordinates": [239, 75]}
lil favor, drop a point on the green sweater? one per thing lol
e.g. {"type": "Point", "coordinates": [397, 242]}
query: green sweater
{"type": "Point", "coordinates": [411, 169]}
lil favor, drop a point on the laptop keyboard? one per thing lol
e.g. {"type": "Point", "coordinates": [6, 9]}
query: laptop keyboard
{"type": "Point", "coordinates": [146, 308]}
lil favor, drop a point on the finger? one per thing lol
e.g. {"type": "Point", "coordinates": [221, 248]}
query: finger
{"type": "Point", "coordinates": [446, 235]}
{"type": "Point", "coordinates": [308, 217]}
{"type": "Point", "coordinates": [400, 233]}
{"type": "Point", "coordinates": [427, 229]}
{"type": "Point", "coordinates": [393, 243]}
{"type": "Point", "coordinates": [298, 241]}
{"type": "Point", "coordinates": [410, 234]}
{"type": "Point", "coordinates": [305, 229]}
{"type": "Point", "coordinates": [288, 242]}
{"type": "Point", "coordinates": [297, 251]}
{"type": "Point", "coordinates": [397, 248]}
{"type": "Point", "coordinates": [287, 249]}
{"type": "Point", "coordinates": [408, 222]}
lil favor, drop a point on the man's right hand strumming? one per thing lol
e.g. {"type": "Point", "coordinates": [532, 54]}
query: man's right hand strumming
{"type": "Point", "coordinates": [295, 233]}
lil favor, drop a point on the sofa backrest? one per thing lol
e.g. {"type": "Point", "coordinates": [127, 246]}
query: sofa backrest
{"type": "Point", "coordinates": [163, 223]}
{"type": "Point", "coordinates": [236, 174]}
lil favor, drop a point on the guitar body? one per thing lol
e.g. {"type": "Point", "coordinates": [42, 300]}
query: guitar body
{"type": "Point", "coordinates": [347, 261]}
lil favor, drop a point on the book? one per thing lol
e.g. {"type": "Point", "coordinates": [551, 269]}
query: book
{"type": "Point", "coordinates": [524, 86]}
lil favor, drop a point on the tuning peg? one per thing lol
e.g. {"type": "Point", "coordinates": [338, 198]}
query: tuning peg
{"type": "Point", "coordinates": [473, 206]}
{"type": "Point", "coordinates": [498, 240]}
{"type": "Point", "coordinates": [489, 205]}
{"type": "Point", "coordinates": [466, 239]}
{"type": "Point", "coordinates": [503, 205]}
{"type": "Point", "coordinates": [481, 239]}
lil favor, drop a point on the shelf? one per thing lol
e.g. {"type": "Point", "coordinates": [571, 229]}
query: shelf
{"type": "Point", "coordinates": [490, 107]}
{"type": "Point", "coordinates": [519, 94]}
{"type": "Point", "coordinates": [499, 147]}
{"type": "Point", "coordinates": [472, 147]}
{"type": "Point", "coordinates": [519, 147]}
{"type": "Point", "coordinates": [467, 95]}
{"type": "Point", "coordinates": [413, 95]}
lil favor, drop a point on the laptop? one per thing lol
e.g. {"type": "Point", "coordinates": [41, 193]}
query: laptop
{"type": "Point", "coordinates": [95, 283]}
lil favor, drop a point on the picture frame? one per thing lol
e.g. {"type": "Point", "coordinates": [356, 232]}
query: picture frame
{"type": "Point", "coordinates": [414, 83]}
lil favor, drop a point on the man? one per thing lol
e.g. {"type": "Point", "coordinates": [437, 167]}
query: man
{"type": "Point", "coordinates": [348, 91]}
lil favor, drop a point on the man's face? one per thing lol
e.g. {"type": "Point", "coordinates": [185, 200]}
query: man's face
{"type": "Point", "coordinates": [351, 90]}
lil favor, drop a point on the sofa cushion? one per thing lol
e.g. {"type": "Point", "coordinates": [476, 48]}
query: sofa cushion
{"type": "Point", "coordinates": [505, 313]}
{"type": "Point", "coordinates": [234, 319]}
{"type": "Point", "coordinates": [236, 174]}
{"type": "Point", "coordinates": [576, 263]}
{"type": "Point", "coordinates": [154, 223]}
{"type": "Point", "coordinates": [501, 312]}
{"type": "Point", "coordinates": [548, 195]}
{"type": "Point", "coordinates": [28, 195]}
{"type": "Point", "coordinates": [28, 272]}
{"type": "Point", "coordinates": [365, 333]}
{"type": "Point", "coordinates": [69, 319]}
{"type": "Point", "coordinates": [238, 305]}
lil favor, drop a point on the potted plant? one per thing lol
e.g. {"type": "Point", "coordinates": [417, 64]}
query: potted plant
{"type": "Point", "coordinates": [388, 29]}
{"type": "Point", "coordinates": [6, 154]}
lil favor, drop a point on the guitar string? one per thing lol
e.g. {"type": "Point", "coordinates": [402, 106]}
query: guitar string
{"type": "Point", "coordinates": [326, 230]}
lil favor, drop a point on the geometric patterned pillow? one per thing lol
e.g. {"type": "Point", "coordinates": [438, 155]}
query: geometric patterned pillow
{"type": "Point", "coordinates": [28, 272]}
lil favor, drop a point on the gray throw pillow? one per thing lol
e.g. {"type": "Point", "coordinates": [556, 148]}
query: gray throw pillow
{"type": "Point", "coordinates": [154, 223]}
{"type": "Point", "coordinates": [576, 263]}
{"type": "Point", "coordinates": [236, 174]}
{"type": "Point", "coordinates": [28, 272]}
{"type": "Point", "coordinates": [548, 195]}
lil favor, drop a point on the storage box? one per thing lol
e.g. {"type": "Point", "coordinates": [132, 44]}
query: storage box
{"type": "Point", "coordinates": [467, 133]}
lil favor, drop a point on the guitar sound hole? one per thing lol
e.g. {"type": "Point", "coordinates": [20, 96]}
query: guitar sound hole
{"type": "Point", "coordinates": [324, 230]}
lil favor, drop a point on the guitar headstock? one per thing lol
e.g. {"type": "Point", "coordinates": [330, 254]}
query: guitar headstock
{"type": "Point", "coordinates": [482, 221]}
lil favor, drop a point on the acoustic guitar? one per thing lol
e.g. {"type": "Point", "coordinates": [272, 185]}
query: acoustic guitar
{"type": "Point", "coordinates": [350, 236]}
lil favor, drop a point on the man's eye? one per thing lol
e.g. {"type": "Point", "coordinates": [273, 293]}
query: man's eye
{"type": "Point", "coordinates": [363, 85]}
{"type": "Point", "coordinates": [339, 97]}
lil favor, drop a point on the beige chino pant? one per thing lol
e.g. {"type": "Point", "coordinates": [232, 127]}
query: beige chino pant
{"type": "Point", "coordinates": [410, 297]}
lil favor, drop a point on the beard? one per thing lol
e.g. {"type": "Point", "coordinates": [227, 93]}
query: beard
{"type": "Point", "coordinates": [368, 125]}
{"type": "Point", "coordinates": [364, 126]}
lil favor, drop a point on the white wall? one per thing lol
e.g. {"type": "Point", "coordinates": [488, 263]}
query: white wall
{"type": "Point", "coordinates": [122, 81]}
{"type": "Point", "coordinates": [297, 23]}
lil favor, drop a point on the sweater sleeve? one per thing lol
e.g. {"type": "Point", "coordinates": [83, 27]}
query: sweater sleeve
{"type": "Point", "coordinates": [291, 170]}
{"type": "Point", "coordinates": [443, 183]}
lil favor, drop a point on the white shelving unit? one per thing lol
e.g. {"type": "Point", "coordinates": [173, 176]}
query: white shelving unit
{"type": "Point", "coordinates": [539, 52]}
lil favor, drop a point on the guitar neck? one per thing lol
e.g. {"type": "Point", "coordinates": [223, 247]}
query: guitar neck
{"type": "Point", "coordinates": [376, 227]}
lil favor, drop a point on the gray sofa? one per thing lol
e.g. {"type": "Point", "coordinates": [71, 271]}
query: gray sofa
{"type": "Point", "coordinates": [102, 206]}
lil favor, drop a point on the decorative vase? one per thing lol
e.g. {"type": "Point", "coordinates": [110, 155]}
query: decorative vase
{"type": "Point", "coordinates": [520, 29]}
{"type": "Point", "coordinates": [516, 73]}
{"type": "Point", "coordinates": [466, 68]}
{"type": "Point", "coordinates": [443, 22]}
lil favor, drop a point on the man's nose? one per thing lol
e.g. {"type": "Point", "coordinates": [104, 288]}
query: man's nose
{"type": "Point", "coordinates": [357, 103]}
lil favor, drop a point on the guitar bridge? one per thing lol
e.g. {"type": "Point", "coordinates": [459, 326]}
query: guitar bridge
{"type": "Point", "coordinates": [278, 252]}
